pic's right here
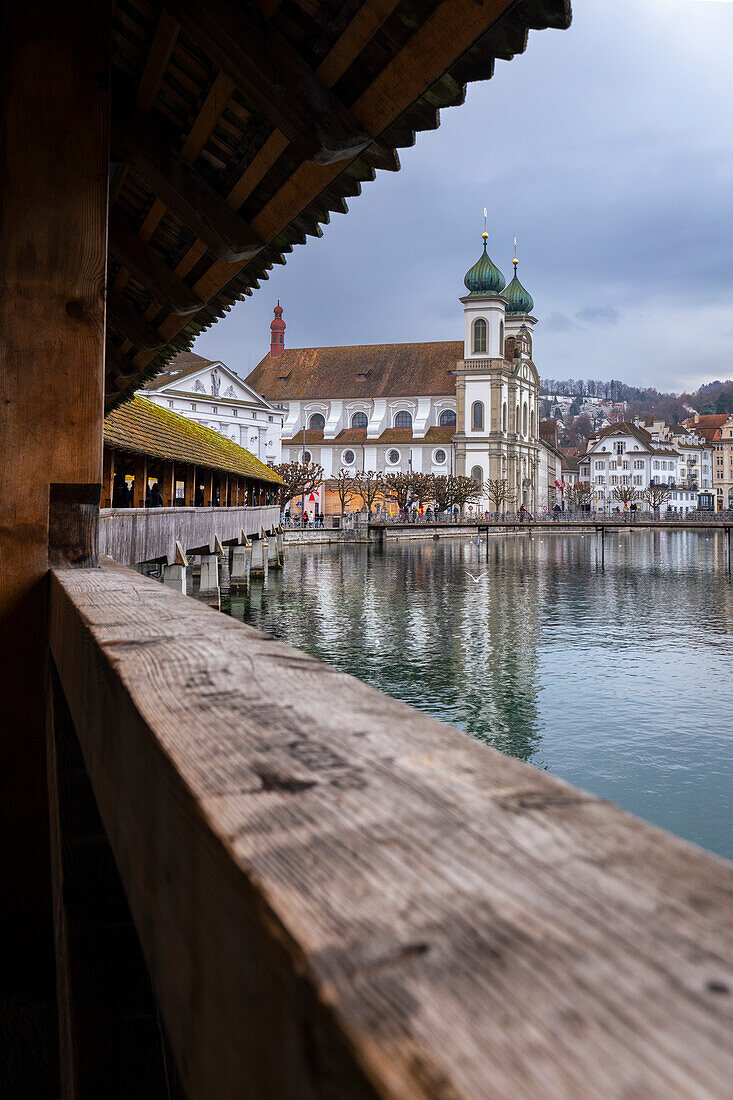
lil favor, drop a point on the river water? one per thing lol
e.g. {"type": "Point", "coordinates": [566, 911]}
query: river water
{"type": "Point", "coordinates": [615, 674]}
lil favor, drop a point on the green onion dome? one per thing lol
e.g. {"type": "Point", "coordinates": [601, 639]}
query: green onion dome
{"type": "Point", "coordinates": [519, 300]}
{"type": "Point", "coordinates": [484, 277]}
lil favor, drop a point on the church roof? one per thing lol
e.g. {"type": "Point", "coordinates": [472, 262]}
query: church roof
{"type": "Point", "coordinates": [359, 436]}
{"type": "Point", "coordinates": [365, 370]}
{"type": "Point", "coordinates": [141, 427]}
{"type": "Point", "coordinates": [184, 364]}
{"type": "Point", "coordinates": [484, 277]}
{"type": "Point", "coordinates": [520, 301]}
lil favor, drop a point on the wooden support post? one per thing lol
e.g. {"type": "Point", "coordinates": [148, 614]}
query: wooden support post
{"type": "Point", "coordinates": [141, 481]}
{"type": "Point", "coordinates": [108, 474]}
{"type": "Point", "coordinates": [168, 484]}
{"type": "Point", "coordinates": [190, 497]}
{"type": "Point", "coordinates": [53, 196]}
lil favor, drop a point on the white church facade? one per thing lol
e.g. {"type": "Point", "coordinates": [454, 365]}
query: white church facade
{"type": "Point", "coordinates": [213, 395]}
{"type": "Point", "coordinates": [467, 407]}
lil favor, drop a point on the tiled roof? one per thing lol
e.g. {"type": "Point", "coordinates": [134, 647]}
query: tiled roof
{"type": "Point", "coordinates": [708, 420]}
{"type": "Point", "coordinates": [184, 364]}
{"type": "Point", "coordinates": [141, 427]}
{"type": "Point", "coordinates": [365, 370]}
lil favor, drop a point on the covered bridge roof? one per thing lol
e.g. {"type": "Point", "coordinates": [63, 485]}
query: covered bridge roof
{"type": "Point", "coordinates": [238, 126]}
{"type": "Point", "coordinates": [141, 427]}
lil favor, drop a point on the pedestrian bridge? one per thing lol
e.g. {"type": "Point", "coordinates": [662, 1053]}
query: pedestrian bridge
{"type": "Point", "coordinates": [135, 535]}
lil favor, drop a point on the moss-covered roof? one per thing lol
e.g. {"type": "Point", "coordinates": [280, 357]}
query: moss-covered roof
{"type": "Point", "coordinates": [141, 427]}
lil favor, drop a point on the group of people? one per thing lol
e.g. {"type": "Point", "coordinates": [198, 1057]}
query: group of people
{"type": "Point", "coordinates": [123, 494]}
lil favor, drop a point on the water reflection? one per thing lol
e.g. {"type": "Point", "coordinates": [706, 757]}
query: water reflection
{"type": "Point", "coordinates": [611, 669]}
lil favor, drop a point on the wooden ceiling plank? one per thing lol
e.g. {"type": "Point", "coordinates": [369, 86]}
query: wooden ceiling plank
{"type": "Point", "coordinates": [150, 269]}
{"type": "Point", "coordinates": [152, 221]}
{"type": "Point", "coordinates": [183, 190]}
{"type": "Point", "coordinates": [162, 47]}
{"type": "Point", "coordinates": [449, 32]}
{"type": "Point", "coordinates": [257, 169]}
{"type": "Point", "coordinates": [129, 324]}
{"type": "Point", "coordinates": [362, 28]}
{"type": "Point", "coordinates": [262, 63]}
{"type": "Point", "coordinates": [219, 95]}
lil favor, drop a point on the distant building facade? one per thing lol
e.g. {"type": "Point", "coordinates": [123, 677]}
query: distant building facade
{"type": "Point", "coordinates": [211, 394]}
{"type": "Point", "coordinates": [717, 431]}
{"type": "Point", "coordinates": [467, 407]}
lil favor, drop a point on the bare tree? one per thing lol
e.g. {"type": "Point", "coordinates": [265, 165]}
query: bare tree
{"type": "Point", "coordinates": [421, 486]}
{"type": "Point", "coordinates": [578, 494]}
{"type": "Point", "coordinates": [442, 492]}
{"type": "Point", "coordinates": [369, 485]}
{"type": "Point", "coordinates": [298, 478]}
{"type": "Point", "coordinates": [398, 487]}
{"type": "Point", "coordinates": [656, 495]}
{"type": "Point", "coordinates": [499, 494]}
{"type": "Point", "coordinates": [465, 491]}
{"type": "Point", "coordinates": [345, 488]}
{"type": "Point", "coordinates": [625, 494]}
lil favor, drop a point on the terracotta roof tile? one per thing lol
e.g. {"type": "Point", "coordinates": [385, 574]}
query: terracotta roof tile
{"type": "Point", "coordinates": [141, 427]}
{"type": "Point", "coordinates": [390, 370]}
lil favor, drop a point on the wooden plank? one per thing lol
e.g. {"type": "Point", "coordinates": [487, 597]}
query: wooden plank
{"type": "Point", "coordinates": [339, 896]}
{"type": "Point", "coordinates": [219, 95]}
{"type": "Point", "coordinates": [150, 269]}
{"type": "Point", "coordinates": [365, 24]}
{"type": "Point", "coordinates": [164, 42]}
{"type": "Point", "coordinates": [183, 190]}
{"type": "Point", "coordinates": [274, 77]}
{"type": "Point", "coordinates": [54, 161]}
{"type": "Point", "coordinates": [125, 322]}
{"type": "Point", "coordinates": [152, 534]}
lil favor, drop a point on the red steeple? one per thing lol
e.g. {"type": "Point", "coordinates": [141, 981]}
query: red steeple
{"type": "Point", "coordinates": [277, 332]}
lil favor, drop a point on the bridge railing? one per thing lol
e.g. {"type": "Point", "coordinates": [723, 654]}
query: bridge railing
{"type": "Point", "coordinates": [132, 535]}
{"type": "Point", "coordinates": [323, 892]}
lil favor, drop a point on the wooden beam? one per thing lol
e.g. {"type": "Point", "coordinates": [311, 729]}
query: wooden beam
{"type": "Point", "coordinates": [131, 325]}
{"type": "Point", "coordinates": [183, 190]}
{"type": "Point", "coordinates": [145, 265]}
{"type": "Point", "coordinates": [274, 77]}
{"type": "Point", "coordinates": [164, 42]}
{"type": "Point", "coordinates": [54, 163]}
{"type": "Point", "coordinates": [219, 95]}
{"type": "Point", "coordinates": [441, 919]}
{"type": "Point", "coordinates": [362, 28]}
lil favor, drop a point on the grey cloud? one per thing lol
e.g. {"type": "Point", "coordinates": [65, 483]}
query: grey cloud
{"type": "Point", "coordinates": [558, 322]}
{"type": "Point", "coordinates": [599, 315]}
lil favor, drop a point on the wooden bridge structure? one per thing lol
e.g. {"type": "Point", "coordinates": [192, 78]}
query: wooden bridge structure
{"type": "Point", "coordinates": [228, 870]}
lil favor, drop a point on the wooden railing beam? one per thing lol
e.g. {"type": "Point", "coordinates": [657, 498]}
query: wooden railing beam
{"type": "Point", "coordinates": [150, 270]}
{"type": "Point", "coordinates": [337, 895]}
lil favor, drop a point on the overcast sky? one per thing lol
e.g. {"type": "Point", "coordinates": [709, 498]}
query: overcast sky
{"type": "Point", "coordinates": [607, 149]}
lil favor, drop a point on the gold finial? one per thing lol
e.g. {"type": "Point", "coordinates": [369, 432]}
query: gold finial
{"type": "Point", "coordinates": [515, 261]}
{"type": "Point", "coordinates": [485, 235]}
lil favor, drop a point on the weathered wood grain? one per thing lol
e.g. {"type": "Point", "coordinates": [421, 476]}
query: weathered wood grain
{"type": "Point", "coordinates": [54, 160]}
{"type": "Point", "coordinates": [133, 535]}
{"type": "Point", "coordinates": [338, 896]}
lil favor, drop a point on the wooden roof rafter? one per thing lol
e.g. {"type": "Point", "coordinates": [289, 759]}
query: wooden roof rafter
{"type": "Point", "coordinates": [217, 181]}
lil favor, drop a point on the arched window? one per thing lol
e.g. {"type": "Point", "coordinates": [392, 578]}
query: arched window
{"type": "Point", "coordinates": [531, 423]}
{"type": "Point", "coordinates": [359, 420]}
{"type": "Point", "coordinates": [403, 420]}
{"type": "Point", "coordinates": [479, 335]}
{"type": "Point", "coordinates": [477, 416]}
{"type": "Point", "coordinates": [447, 419]}
{"type": "Point", "coordinates": [317, 422]}
{"type": "Point", "coordinates": [524, 419]}
{"type": "Point", "coordinates": [516, 420]}
{"type": "Point", "coordinates": [501, 338]}
{"type": "Point", "coordinates": [503, 417]}
{"type": "Point", "coordinates": [478, 475]}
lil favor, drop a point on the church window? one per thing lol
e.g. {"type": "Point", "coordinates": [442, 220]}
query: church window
{"type": "Point", "coordinates": [478, 475]}
{"type": "Point", "coordinates": [359, 420]}
{"type": "Point", "coordinates": [501, 338]}
{"type": "Point", "coordinates": [403, 420]}
{"type": "Point", "coordinates": [234, 412]}
{"type": "Point", "coordinates": [306, 457]}
{"type": "Point", "coordinates": [524, 419]}
{"type": "Point", "coordinates": [317, 422]}
{"type": "Point", "coordinates": [193, 406]}
{"type": "Point", "coordinates": [516, 419]}
{"type": "Point", "coordinates": [479, 335]}
{"type": "Point", "coordinates": [477, 416]}
{"type": "Point", "coordinates": [393, 457]}
{"type": "Point", "coordinates": [170, 404]}
{"type": "Point", "coordinates": [439, 457]}
{"type": "Point", "coordinates": [447, 419]}
{"type": "Point", "coordinates": [503, 418]}
{"type": "Point", "coordinates": [348, 458]}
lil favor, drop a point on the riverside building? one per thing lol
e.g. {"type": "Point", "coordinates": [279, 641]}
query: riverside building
{"type": "Point", "coordinates": [467, 407]}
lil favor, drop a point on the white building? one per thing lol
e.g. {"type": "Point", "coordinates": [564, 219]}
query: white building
{"type": "Point", "coordinates": [212, 394]}
{"type": "Point", "coordinates": [467, 407]}
{"type": "Point", "coordinates": [629, 455]}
